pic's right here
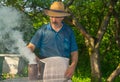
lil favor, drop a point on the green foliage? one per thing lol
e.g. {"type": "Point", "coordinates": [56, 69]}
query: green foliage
{"type": "Point", "coordinates": [89, 13]}
{"type": "Point", "coordinates": [83, 66]}
{"type": "Point", "coordinates": [109, 53]}
{"type": "Point", "coordinates": [79, 79]}
{"type": "Point", "coordinates": [109, 50]}
{"type": "Point", "coordinates": [117, 79]}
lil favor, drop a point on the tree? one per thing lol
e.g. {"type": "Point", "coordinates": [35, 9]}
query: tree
{"type": "Point", "coordinates": [93, 43]}
{"type": "Point", "coordinates": [115, 73]}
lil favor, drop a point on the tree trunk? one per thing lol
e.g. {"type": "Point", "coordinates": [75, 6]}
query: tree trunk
{"type": "Point", "coordinates": [114, 74]}
{"type": "Point", "coordinates": [95, 65]}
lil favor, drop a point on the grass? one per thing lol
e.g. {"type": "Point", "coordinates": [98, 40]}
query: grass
{"type": "Point", "coordinates": [78, 79]}
{"type": "Point", "coordinates": [87, 79]}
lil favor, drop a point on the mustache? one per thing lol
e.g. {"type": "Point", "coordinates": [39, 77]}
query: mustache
{"type": "Point", "coordinates": [55, 23]}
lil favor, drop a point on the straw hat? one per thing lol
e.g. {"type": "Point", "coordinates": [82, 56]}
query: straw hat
{"type": "Point", "coordinates": [57, 10]}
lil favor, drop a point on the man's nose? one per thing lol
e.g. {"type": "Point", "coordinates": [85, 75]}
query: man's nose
{"type": "Point", "coordinates": [53, 19]}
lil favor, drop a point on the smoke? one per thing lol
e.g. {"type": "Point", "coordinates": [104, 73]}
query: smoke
{"type": "Point", "coordinates": [12, 28]}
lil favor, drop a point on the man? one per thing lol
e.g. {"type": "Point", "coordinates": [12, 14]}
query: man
{"type": "Point", "coordinates": [57, 44]}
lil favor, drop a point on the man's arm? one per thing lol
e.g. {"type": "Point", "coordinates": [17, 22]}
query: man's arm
{"type": "Point", "coordinates": [74, 59]}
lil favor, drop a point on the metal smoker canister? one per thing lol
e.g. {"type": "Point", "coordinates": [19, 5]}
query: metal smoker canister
{"type": "Point", "coordinates": [32, 72]}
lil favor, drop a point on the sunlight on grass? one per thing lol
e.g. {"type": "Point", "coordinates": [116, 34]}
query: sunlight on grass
{"type": "Point", "coordinates": [78, 79]}
{"type": "Point", "coordinates": [87, 79]}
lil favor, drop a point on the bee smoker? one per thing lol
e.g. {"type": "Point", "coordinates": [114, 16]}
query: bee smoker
{"type": "Point", "coordinates": [32, 72]}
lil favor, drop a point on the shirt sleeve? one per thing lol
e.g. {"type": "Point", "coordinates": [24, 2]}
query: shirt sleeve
{"type": "Point", "coordinates": [36, 39]}
{"type": "Point", "coordinates": [73, 43]}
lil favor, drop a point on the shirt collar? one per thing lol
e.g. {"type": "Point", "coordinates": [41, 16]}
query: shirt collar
{"type": "Point", "coordinates": [50, 28]}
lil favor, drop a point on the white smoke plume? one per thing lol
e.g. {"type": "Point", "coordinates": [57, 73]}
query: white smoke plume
{"type": "Point", "coordinates": [11, 39]}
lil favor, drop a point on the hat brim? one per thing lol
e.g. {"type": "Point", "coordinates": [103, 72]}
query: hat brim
{"type": "Point", "coordinates": [56, 13]}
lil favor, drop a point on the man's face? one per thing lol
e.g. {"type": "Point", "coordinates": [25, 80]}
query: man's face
{"type": "Point", "coordinates": [56, 20]}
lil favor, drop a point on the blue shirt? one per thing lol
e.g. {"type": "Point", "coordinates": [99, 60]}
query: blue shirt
{"type": "Point", "coordinates": [52, 43]}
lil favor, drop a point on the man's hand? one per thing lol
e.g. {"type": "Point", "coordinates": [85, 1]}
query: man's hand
{"type": "Point", "coordinates": [69, 72]}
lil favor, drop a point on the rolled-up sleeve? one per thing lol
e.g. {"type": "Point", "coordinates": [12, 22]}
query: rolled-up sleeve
{"type": "Point", "coordinates": [36, 39]}
{"type": "Point", "coordinates": [73, 43]}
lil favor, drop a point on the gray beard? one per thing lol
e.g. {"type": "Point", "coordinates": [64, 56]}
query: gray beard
{"type": "Point", "coordinates": [56, 24]}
